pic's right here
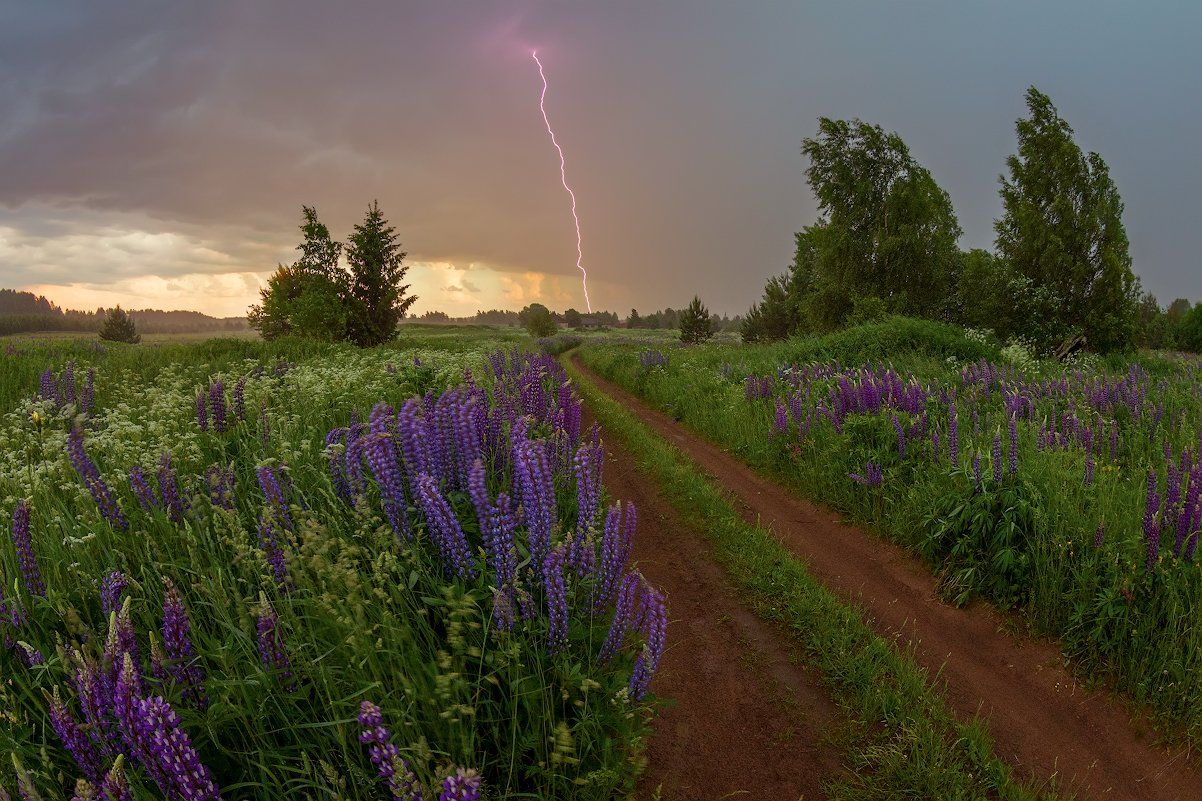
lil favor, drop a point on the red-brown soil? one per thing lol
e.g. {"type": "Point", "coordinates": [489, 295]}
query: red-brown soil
{"type": "Point", "coordinates": [743, 720]}
{"type": "Point", "coordinates": [1042, 720]}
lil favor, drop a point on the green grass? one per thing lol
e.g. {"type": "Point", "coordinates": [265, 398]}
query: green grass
{"type": "Point", "coordinates": [905, 742]}
{"type": "Point", "coordinates": [370, 616]}
{"type": "Point", "coordinates": [1026, 541]}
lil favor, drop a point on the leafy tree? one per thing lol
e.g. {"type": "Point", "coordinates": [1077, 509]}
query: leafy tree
{"type": "Point", "coordinates": [538, 320]}
{"type": "Point", "coordinates": [695, 324]}
{"type": "Point", "coordinates": [377, 297]}
{"type": "Point", "coordinates": [572, 318]}
{"type": "Point", "coordinates": [119, 327]}
{"type": "Point", "coordinates": [1062, 230]}
{"type": "Point", "coordinates": [634, 321]}
{"type": "Point", "coordinates": [888, 230]}
{"type": "Point", "coordinates": [310, 297]}
{"type": "Point", "coordinates": [1189, 333]}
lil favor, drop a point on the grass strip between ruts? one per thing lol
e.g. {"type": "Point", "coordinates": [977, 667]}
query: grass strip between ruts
{"type": "Point", "coordinates": [904, 742]}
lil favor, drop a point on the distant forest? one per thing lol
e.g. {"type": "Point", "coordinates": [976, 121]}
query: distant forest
{"type": "Point", "coordinates": [22, 312]}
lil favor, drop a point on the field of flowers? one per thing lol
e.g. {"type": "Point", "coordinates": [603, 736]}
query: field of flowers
{"type": "Point", "coordinates": [1070, 492]}
{"type": "Point", "coordinates": [279, 570]}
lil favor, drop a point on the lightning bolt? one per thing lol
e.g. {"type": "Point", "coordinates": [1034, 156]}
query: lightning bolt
{"type": "Point", "coordinates": [563, 177]}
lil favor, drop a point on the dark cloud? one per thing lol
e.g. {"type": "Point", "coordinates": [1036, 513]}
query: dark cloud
{"type": "Point", "coordinates": [213, 122]}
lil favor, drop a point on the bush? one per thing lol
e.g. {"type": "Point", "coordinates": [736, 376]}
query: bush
{"type": "Point", "coordinates": [119, 327]}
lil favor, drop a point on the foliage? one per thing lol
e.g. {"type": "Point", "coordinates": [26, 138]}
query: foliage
{"type": "Point", "coordinates": [888, 230]}
{"type": "Point", "coordinates": [1062, 522]}
{"type": "Point", "coordinates": [357, 609]}
{"type": "Point", "coordinates": [925, 751]}
{"type": "Point", "coordinates": [572, 318]}
{"type": "Point", "coordinates": [1190, 330]}
{"type": "Point", "coordinates": [377, 297]}
{"type": "Point", "coordinates": [118, 327]}
{"type": "Point", "coordinates": [695, 325]}
{"type": "Point", "coordinates": [538, 320]}
{"type": "Point", "coordinates": [1062, 230]}
{"type": "Point", "coordinates": [318, 298]}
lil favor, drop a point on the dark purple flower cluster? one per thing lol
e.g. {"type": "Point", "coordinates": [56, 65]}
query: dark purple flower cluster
{"type": "Point", "coordinates": [393, 769]}
{"type": "Point", "coordinates": [444, 529]}
{"type": "Point", "coordinates": [112, 588]}
{"type": "Point", "coordinates": [653, 624]}
{"type": "Point", "coordinates": [63, 391]}
{"type": "Point", "coordinates": [272, 652]}
{"type": "Point", "coordinates": [276, 491]}
{"type": "Point", "coordinates": [183, 664]}
{"type": "Point", "coordinates": [212, 411]}
{"type": "Point", "coordinates": [651, 359]}
{"type": "Point", "coordinates": [463, 785]}
{"type": "Point", "coordinates": [167, 497]}
{"type": "Point", "coordinates": [556, 592]}
{"type": "Point", "coordinates": [31, 574]}
{"type": "Point", "coordinates": [272, 542]}
{"type": "Point", "coordinates": [873, 476]}
{"type": "Point", "coordinates": [105, 500]}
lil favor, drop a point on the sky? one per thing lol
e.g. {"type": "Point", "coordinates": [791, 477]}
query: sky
{"type": "Point", "coordinates": [157, 154]}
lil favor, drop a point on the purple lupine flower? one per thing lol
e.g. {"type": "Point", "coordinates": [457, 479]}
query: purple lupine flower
{"type": "Point", "coordinates": [444, 529]}
{"type": "Point", "coordinates": [220, 481]}
{"type": "Point", "coordinates": [47, 387]}
{"type": "Point", "coordinates": [273, 551]}
{"type": "Point", "coordinates": [502, 608]}
{"type": "Point", "coordinates": [170, 758]}
{"type": "Point", "coordinates": [654, 624]}
{"type": "Point", "coordinates": [272, 652]}
{"type": "Point", "coordinates": [616, 543]}
{"type": "Point", "coordinates": [273, 491]}
{"type": "Point", "coordinates": [953, 436]}
{"type": "Point", "coordinates": [872, 476]}
{"type": "Point", "coordinates": [901, 437]}
{"type": "Point", "coordinates": [31, 574]}
{"type": "Point", "coordinates": [99, 490]}
{"type": "Point", "coordinates": [217, 404]}
{"type": "Point", "coordinates": [66, 383]}
{"type": "Point", "coordinates": [1151, 523]}
{"type": "Point", "coordinates": [77, 744]}
{"type": "Point", "coordinates": [337, 464]}
{"type": "Point", "coordinates": [996, 457]}
{"type": "Point", "coordinates": [126, 691]}
{"type": "Point", "coordinates": [87, 398]}
{"type": "Point", "coordinates": [202, 411]}
{"type": "Point", "coordinates": [557, 599]}
{"type": "Point", "coordinates": [240, 399]}
{"type": "Point", "coordinates": [169, 494]}
{"type": "Point", "coordinates": [380, 452]}
{"type": "Point", "coordinates": [93, 688]}
{"type": "Point", "coordinates": [1012, 462]}
{"type": "Point", "coordinates": [624, 613]}
{"type": "Point", "coordinates": [121, 642]}
{"type": "Point", "coordinates": [141, 488]}
{"type": "Point", "coordinates": [393, 769]}
{"type": "Point", "coordinates": [463, 785]}
{"type": "Point", "coordinates": [976, 471]}
{"type": "Point", "coordinates": [112, 587]}
{"type": "Point", "coordinates": [780, 419]}
{"type": "Point", "coordinates": [1099, 536]}
{"type": "Point", "coordinates": [184, 665]}
{"type": "Point", "coordinates": [536, 493]}
{"type": "Point", "coordinates": [115, 786]}
{"type": "Point", "coordinates": [1089, 468]}
{"type": "Point", "coordinates": [497, 524]}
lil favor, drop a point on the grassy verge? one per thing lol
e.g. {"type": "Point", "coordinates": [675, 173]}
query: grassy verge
{"type": "Point", "coordinates": [905, 743]}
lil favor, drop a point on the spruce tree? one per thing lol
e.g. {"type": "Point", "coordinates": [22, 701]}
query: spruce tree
{"type": "Point", "coordinates": [119, 327]}
{"type": "Point", "coordinates": [378, 299]}
{"type": "Point", "coordinates": [695, 323]}
{"type": "Point", "coordinates": [1062, 231]}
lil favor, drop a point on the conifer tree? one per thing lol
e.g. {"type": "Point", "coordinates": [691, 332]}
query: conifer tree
{"type": "Point", "coordinates": [695, 323]}
{"type": "Point", "coordinates": [119, 327]}
{"type": "Point", "coordinates": [378, 299]}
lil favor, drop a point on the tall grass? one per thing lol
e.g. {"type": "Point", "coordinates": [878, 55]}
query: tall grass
{"type": "Point", "coordinates": [1070, 537]}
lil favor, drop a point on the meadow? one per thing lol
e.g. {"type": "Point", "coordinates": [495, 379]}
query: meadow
{"type": "Point", "coordinates": [1068, 492]}
{"type": "Point", "coordinates": [243, 569]}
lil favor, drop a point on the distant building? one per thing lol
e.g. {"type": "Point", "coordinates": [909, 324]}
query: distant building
{"type": "Point", "coordinates": [592, 321]}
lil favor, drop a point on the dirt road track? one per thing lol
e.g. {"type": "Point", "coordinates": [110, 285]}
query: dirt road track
{"type": "Point", "coordinates": [1041, 719]}
{"type": "Point", "coordinates": [744, 720]}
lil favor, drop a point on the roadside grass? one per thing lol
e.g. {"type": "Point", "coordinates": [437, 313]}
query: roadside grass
{"type": "Point", "coordinates": [904, 741]}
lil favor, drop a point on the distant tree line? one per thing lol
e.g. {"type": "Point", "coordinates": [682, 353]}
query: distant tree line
{"type": "Point", "coordinates": [670, 318]}
{"type": "Point", "coordinates": [24, 312]}
{"type": "Point", "coordinates": [886, 243]}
